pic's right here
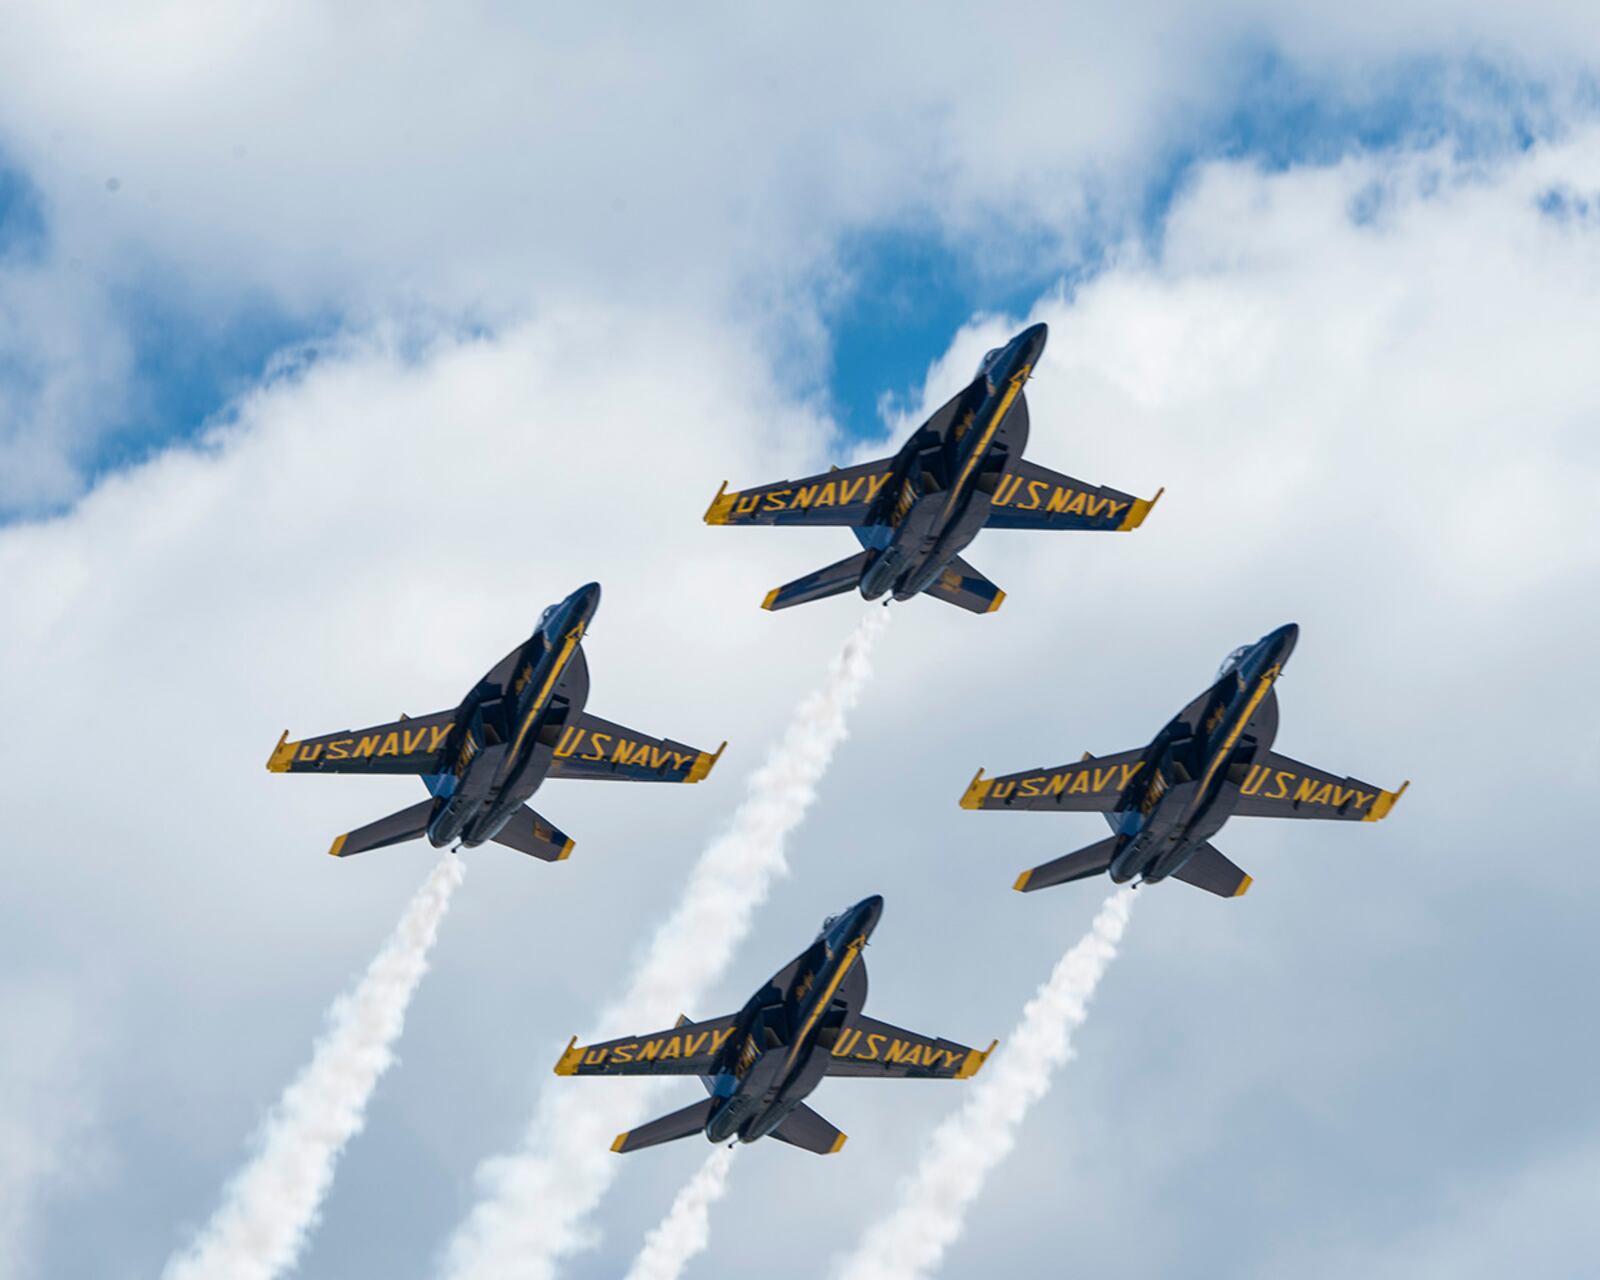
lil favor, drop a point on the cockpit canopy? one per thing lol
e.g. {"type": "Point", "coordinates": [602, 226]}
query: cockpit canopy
{"type": "Point", "coordinates": [1232, 661]}
{"type": "Point", "coordinates": [545, 616]}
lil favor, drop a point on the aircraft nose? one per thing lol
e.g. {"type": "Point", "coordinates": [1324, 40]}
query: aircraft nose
{"type": "Point", "coordinates": [1283, 640]}
{"type": "Point", "coordinates": [1030, 342]}
{"type": "Point", "coordinates": [586, 599]}
{"type": "Point", "coordinates": [869, 911]}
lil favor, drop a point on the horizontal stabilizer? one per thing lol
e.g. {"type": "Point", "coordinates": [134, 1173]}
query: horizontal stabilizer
{"type": "Point", "coordinates": [831, 581]}
{"type": "Point", "coordinates": [1210, 871]}
{"type": "Point", "coordinates": [805, 1129]}
{"type": "Point", "coordinates": [1086, 862]}
{"type": "Point", "coordinates": [528, 833]}
{"type": "Point", "coordinates": [963, 586]}
{"type": "Point", "coordinates": [408, 824]}
{"type": "Point", "coordinates": [680, 1124]}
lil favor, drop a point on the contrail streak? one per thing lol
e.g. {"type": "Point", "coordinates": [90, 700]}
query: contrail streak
{"type": "Point", "coordinates": [270, 1206]}
{"type": "Point", "coordinates": [536, 1202]}
{"type": "Point", "coordinates": [683, 1234]}
{"type": "Point", "coordinates": [967, 1147]}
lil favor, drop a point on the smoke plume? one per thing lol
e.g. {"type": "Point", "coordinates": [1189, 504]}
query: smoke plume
{"type": "Point", "coordinates": [683, 1234]}
{"type": "Point", "coordinates": [967, 1147]}
{"type": "Point", "coordinates": [271, 1204]}
{"type": "Point", "coordinates": [536, 1202]}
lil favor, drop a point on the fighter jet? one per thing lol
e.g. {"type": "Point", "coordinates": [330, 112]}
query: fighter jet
{"type": "Point", "coordinates": [961, 471]}
{"type": "Point", "coordinates": [522, 723]}
{"type": "Point", "coordinates": [1214, 760]}
{"type": "Point", "coordinates": [759, 1064]}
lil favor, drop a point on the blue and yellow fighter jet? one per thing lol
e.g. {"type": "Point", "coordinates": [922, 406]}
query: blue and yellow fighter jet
{"type": "Point", "coordinates": [759, 1064]}
{"type": "Point", "coordinates": [961, 471]}
{"type": "Point", "coordinates": [1214, 760]}
{"type": "Point", "coordinates": [522, 723]}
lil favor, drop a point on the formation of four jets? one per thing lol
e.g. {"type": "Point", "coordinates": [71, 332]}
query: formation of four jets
{"type": "Point", "coordinates": [961, 471]}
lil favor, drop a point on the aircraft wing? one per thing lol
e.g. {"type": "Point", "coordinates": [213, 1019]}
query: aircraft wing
{"type": "Point", "coordinates": [838, 497]}
{"type": "Point", "coordinates": [1276, 786]}
{"type": "Point", "coordinates": [688, 1049]}
{"type": "Point", "coordinates": [599, 750]}
{"type": "Point", "coordinates": [1034, 497]}
{"type": "Point", "coordinates": [406, 745]}
{"type": "Point", "coordinates": [867, 1047]}
{"type": "Point", "coordinates": [1093, 785]}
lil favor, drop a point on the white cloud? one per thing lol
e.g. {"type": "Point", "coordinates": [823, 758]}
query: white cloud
{"type": "Point", "coordinates": [490, 161]}
{"type": "Point", "coordinates": [47, 1111]}
{"type": "Point", "coordinates": [1381, 431]}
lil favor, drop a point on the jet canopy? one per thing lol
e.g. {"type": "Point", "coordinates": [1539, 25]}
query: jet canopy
{"type": "Point", "coordinates": [988, 360]}
{"type": "Point", "coordinates": [1232, 661]}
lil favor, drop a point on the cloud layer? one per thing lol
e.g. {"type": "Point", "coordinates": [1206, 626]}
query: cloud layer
{"type": "Point", "coordinates": [1366, 387]}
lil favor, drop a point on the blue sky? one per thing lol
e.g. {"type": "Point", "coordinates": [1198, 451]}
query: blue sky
{"type": "Point", "coordinates": [897, 291]}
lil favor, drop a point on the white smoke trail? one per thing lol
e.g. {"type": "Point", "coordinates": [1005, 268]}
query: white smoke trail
{"type": "Point", "coordinates": [682, 1236]}
{"type": "Point", "coordinates": [535, 1203]}
{"type": "Point", "coordinates": [965, 1149]}
{"type": "Point", "coordinates": [270, 1206]}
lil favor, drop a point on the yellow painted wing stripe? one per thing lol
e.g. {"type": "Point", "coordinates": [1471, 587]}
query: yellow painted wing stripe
{"type": "Point", "coordinates": [974, 1061]}
{"type": "Point", "coordinates": [721, 506]}
{"type": "Point", "coordinates": [704, 763]}
{"type": "Point", "coordinates": [977, 790]}
{"type": "Point", "coordinates": [1139, 510]}
{"type": "Point", "coordinates": [282, 755]}
{"type": "Point", "coordinates": [1385, 801]}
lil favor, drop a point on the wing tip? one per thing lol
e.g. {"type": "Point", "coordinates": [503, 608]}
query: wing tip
{"type": "Point", "coordinates": [705, 762]}
{"type": "Point", "coordinates": [566, 850]}
{"type": "Point", "coordinates": [1244, 887]}
{"type": "Point", "coordinates": [1139, 510]}
{"type": "Point", "coordinates": [769, 602]}
{"type": "Point", "coordinates": [1021, 884]}
{"type": "Point", "coordinates": [336, 849]}
{"type": "Point", "coordinates": [567, 1063]}
{"type": "Point", "coordinates": [282, 755]}
{"type": "Point", "coordinates": [1386, 801]}
{"type": "Point", "coordinates": [973, 1063]}
{"type": "Point", "coordinates": [838, 1144]}
{"type": "Point", "coordinates": [721, 505]}
{"type": "Point", "coordinates": [620, 1142]}
{"type": "Point", "coordinates": [977, 789]}
{"type": "Point", "coordinates": [999, 599]}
